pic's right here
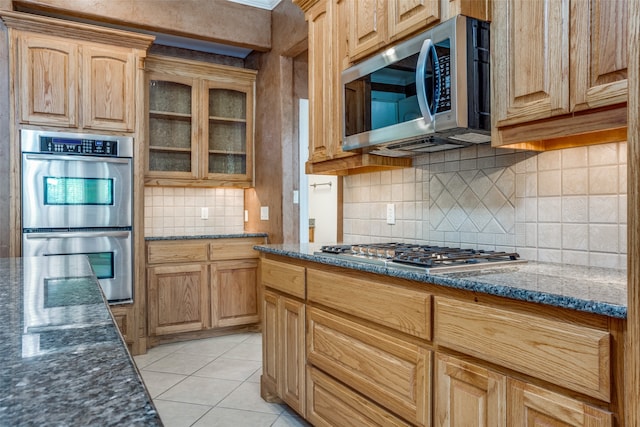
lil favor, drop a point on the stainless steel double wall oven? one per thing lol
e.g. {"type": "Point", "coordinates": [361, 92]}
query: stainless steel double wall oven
{"type": "Point", "coordinates": [77, 199]}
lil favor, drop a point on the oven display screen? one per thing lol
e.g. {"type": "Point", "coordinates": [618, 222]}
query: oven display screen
{"type": "Point", "coordinates": [78, 191]}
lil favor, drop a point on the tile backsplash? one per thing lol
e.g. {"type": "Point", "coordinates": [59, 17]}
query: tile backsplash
{"type": "Point", "coordinates": [564, 206]}
{"type": "Point", "coordinates": [172, 211]}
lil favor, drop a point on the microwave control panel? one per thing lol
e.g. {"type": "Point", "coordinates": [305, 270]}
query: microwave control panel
{"type": "Point", "coordinates": [91, 147]}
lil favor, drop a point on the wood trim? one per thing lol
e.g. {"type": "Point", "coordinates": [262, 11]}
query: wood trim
{"type": "Point", "coordinates": [589, 127]}
{"type": "Point", "coordinates": [75, 30]}
{"type": "Point", "coordinates": [356, 164]}
{"type": "Point", "coordinates": [632, 370]}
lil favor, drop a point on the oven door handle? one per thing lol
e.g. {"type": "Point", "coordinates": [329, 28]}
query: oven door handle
{"type": "Point", "coordinates": [75, 158]}
{"type": "Point", "coordinates": [81, 234]}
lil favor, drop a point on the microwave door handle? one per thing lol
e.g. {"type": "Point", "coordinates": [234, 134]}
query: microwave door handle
{"type": "Point", "coordinates": [74, 158]}
{"type": "Point", "coordinates": [81, 234]}
{"type": "Point", "coordinates": [427, 47]}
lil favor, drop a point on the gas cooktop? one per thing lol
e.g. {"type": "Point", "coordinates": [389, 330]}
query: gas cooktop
{"type": "Point", "coordinates": [423, 258]}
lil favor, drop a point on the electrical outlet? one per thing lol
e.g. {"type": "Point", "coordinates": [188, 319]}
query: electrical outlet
{"type": "Point", "coordinates": [264, 213]}
{"type": "Point", "coordinates": [204, 213]}
{"type": "Point", "coordinates": [246, 215]}
{"type": "Point", "coordinates": [391, 213]}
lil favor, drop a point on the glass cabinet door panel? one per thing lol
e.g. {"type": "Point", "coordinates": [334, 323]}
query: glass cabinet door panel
{"type": "Point", "coordinates": [170, 126]}
{"type": "Point", "coordinates": [170, 132]}
{"type": "Point", "coordinates": [227, 137]}
{"type": "Point", "coordinates": [231, 164]}
{"type": "Point", "coordinates": [169, 97]}
{"type": "Point", "coordinates": [168, 161]}
{"type": "Point", "coordinates": [231, 104]}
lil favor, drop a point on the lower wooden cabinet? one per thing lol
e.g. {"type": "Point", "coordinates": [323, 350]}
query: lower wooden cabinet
{"type": "Point", "coordinates": [283, 337]}
{"type": "Point", "coordinates": [468, 395]}
{"type": "Point", "coordinates": [471, 395]}
{"type": "Point", "coordinates": [124, 318]}
{"type": "Point", "coordinates": [392, 372]}
{"type": "Point", "coordinates": [177, 296]}
{"type": "Point", "coordinates": [234, 294]}
{"type": "Point", "coordinates": [194, 285]}
{"type": "Point", "coordinates": [532, 406]}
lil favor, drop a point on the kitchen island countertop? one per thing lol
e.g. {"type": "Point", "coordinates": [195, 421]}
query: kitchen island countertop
{"type": "Point", "coordinates": [62, 359]}
{"type": "Point", "coordinates": [590, 289]}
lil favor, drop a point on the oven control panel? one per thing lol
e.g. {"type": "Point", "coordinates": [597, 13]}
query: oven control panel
{"type": "Point", "coordinates": [95, 147]}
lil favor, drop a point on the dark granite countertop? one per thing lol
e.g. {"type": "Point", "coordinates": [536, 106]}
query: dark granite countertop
{"type": "Point", "coordinates": [589, 289]}
{"type": "Point", "coordinates": [208, 236]}
{"type": "Point", "coordinates": [62, 360]}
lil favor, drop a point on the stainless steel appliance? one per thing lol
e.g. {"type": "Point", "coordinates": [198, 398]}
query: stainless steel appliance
{"type": "Point", "coordinates": [421, 258]}
{"type": "Point", "coordinates": [429, 93]}
{"type": "Point", "coordinates": [77, 199]}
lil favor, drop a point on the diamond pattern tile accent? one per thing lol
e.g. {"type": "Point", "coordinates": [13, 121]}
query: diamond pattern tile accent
{"type": "Point", "coordinates": [473, 201]}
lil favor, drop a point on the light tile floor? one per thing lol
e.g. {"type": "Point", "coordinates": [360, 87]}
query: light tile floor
{"type": "Point", "coordinates": [212, 382]}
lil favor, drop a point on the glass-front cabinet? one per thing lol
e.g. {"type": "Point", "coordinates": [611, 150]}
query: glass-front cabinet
{"type": "Point", "coordinates": [200, 128]}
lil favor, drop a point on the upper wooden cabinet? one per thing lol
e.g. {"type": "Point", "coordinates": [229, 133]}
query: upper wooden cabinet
{"type": "Point", "coordinates": [375, 23]}
{"type": "Point", "coordinates": [559, 69]}
{"type": "Point", "coordinates": [328, 57]}
{"type": "Point", "coordinates": [73, 75]}
{"type": "Point", "coordinates": [201, 123]}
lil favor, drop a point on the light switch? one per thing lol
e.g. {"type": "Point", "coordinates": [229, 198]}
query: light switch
{"type": "Point", "coordinates": [391, 213]}
{"type": "Point", "coordinates": [204, 213]}
{"type": "Point", "coordinates": [264, 213]}
{"type": "Point", "coordinates": [296, 197]}
{"type": "Point", "coordinates": [246, 215]}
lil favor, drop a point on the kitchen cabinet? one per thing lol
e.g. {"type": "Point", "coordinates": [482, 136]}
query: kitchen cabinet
{"type": "Point", "coordinates": [373, 24]}
{"type": "Point", "coordinates": [125, 320]}
{"type": "Point", "coordinates": [559, 73]}
{"type": "Point", "coordinates": [177, 296]}
{"type": "Point", "coordinates": [469, 394]}
{"type": "Point", "coordinates": [201, 284]}
{"type": "Point", "coordinates": [328, 57]}
{"type": "Point", "coordinates": [283, 334]}
{"type": "Point", "coordinates": [73, 84]}
{"type": "Point", "coordinates": [382, 350]}
{"type": "Point", "coordinates": [201, 123]}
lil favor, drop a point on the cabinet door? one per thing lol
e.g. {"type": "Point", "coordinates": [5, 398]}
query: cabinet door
{"type": "Point", "coordinates": [108, 81]}
{"type": "Point", "coordinates": [270, 345]}
{"type": "Point", "coordinates": [177, 297]}
{"type": "Point", "coordinates": [123, 316]}
{"type": "Point", "coordinates": [529, 60]}
{"type": "Point", "coordinates": [410, 16]}
{"type": "Point", "coordinates": [292, 324]}
{"type": "Point", "coordinates": [48, 85]}
{"type": "Point", "coordinates": [392, 372]}
{"type": "Point", "coordinates": [321, 81]}
{"type": "Point", "coordinates": [367, 27]}
{"type": "Point", "coordinates": [234, 293]}
{"type": "Point", "coordinates": [468, 395]}
{"type": "Point", "coordinates": [172, 133]}
{"type": "Point", "coordinates": [531, 406]}
{"type": "Point", "coordinates": [599, 53]}
{"type": "Point", "coordinates": [227, 127]}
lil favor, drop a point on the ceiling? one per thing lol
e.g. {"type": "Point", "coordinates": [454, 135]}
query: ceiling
{"type": "Point", "coordinates": [262, 4]}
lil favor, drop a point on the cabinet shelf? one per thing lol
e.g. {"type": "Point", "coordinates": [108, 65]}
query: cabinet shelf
{"type": "Point", "coordinates": [169, 115]}
{"type": "Point", "coordinates": [226, 119]}
{"type": "Point", "coordinates": [169, 149]}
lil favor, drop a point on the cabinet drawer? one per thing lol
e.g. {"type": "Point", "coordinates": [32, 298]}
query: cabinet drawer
{"type": "Point", "coordinates": [391, 372]}
{"type": "Point", "coordinates": [173, 252]}
{"type": "Point", "coordinates": [403, 309]}
{"type": "Point", "coordinates": [283, 277]}
{"type": "Point", "coordinates": [224, 249]}
{"type": "Point", "coordinates": [572, 356]}
{"type": "Point", "coordinates": [332, 404]}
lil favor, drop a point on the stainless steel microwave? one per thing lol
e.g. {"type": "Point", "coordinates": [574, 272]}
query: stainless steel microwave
{"type": "Point", "coordinates": [429, 93]}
